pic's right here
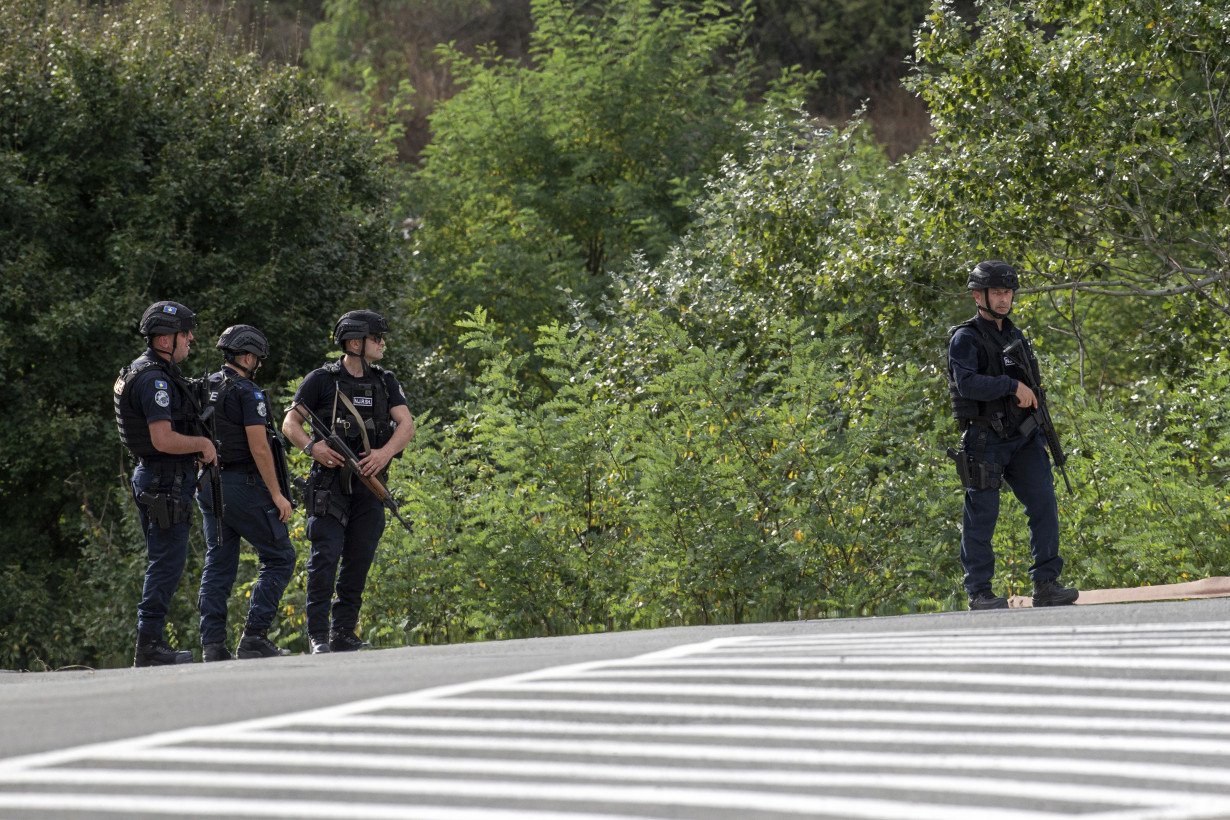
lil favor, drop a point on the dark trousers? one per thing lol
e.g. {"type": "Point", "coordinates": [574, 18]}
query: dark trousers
{"type": "Point", "coordinates": [166, 549]}
{"type": "Point", "coordinates": [1027, 472]}
{"type": "Point", "coordinates": [248, 512]}
{"type": "Point", "coordinates": [340, 557]}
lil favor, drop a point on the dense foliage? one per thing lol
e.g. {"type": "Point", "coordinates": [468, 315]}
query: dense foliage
{"type": "Point", "coordinates": [705, 350]}
{"type": "Point", "coordinates": [542, 180]}
{"type": "Point", "coordinates": [380, 59]}
{"type": "Point", "coordinates": [140, 161]}
{"type": "Point", "coordinates": [735, 447]}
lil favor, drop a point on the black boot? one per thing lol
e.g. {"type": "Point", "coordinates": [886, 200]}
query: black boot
{"type": "Point", "coordinates": [211, 652]}
{"type": "Point", "coordinates": [1050, 593]}
{"type": "Point", "coordinates": [986, 599]}
{"type": "Point", "coordinates": [157, 652]}
{"type": "Point", "coordinates": [346, 641]}
{"type": "Point", "coordinates": [256, 645]}
{"type": "Point", "coordinates": [319, 644]}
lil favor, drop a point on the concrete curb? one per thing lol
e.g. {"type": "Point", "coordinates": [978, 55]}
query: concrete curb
{"type": "Point", "coordinates": [1215, 587]}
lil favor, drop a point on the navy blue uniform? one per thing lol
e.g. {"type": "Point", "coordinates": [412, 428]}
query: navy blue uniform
{"type": "Point", "coordinates": [248, 512]}
{"type": "Point", "coordinates": [162, 483]}
{"type": "Point", "coordinates": [345, 520]}
{"type": "Point", "coordinates": [995, 434]}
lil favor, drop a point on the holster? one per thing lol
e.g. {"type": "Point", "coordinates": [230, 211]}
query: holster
{"type": "Point", "coordinates": [321, 503]}
{"type": "Point", "coordinates": [975, 474]}
{"type": "Point", "coordinates": [165, 509]}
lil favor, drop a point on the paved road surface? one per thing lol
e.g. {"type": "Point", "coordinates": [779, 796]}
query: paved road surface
{"type": "Point", "coordinates": [1113, 713]}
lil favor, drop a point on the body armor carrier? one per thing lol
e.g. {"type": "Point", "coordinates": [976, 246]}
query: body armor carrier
{"type": "Point", "coordinates": [370, 398]}
{"type": "Point", "coordinates": [134, 428]}
{"type": "Point", "coordinates": [1002, 415]}
{"type": "Point", "coordinates": [369, 395]}
{"type": "Point", "coordinates": [233, 449]}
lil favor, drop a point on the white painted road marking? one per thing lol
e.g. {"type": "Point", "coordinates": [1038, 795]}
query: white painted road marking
{"type": "Point", "coordinates": [882, 725]}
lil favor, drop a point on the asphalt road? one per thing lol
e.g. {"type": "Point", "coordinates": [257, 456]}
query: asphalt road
{"type": "Point", "coordinates": [1117, 711]}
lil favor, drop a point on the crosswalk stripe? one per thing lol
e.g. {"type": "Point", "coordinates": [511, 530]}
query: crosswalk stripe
{"type": "Point", "coordinates": [616, 776]}
{"type": "Point", "coordinates": [856, 725]}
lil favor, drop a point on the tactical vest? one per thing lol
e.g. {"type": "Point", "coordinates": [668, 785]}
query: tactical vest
{"type": "Point", "coordinates": [232, 437]}
{"type": "Point", "coordinates": [1001, 413]}
{"type": "Point", "coordinates": [134, 428]}
{"type": "Point", "coordinates": [370, 397]}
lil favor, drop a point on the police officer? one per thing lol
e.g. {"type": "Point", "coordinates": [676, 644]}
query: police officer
{"type": "Point", "coordinates": [255, 503]}
{"type": "Point", "coordinates": [364, 404]}
{"type": "Point", "coordinates": [1000, 442]}
{"type": "Point", "coordinates": [158, 417]}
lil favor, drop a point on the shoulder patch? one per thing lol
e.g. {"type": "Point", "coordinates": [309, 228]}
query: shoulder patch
{"type": "Point", "coordinates": [159, 384]}
{"type": "Point", "coordinates": [162, 399]}
{"type": "Point", "coordinates": [258, 394]}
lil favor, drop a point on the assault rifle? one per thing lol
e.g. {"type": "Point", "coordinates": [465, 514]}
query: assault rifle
{"type": "Point", "coordinates": [198, 393]}
{"type": "Point", "coordinates": [1042, 416]}
{"type": "Point", "coordinates": [205, 413]}
{"type": "Point", "coordinates": [351, 461]}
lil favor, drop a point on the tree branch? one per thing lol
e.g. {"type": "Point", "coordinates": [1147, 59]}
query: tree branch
{"type": "Point", "coordinates": [1128, 289]}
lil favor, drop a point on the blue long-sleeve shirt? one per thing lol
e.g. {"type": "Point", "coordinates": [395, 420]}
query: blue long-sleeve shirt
{"type": "Point", "coordinates": [968, 360]}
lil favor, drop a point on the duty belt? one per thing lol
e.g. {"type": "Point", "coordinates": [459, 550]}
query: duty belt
{"type": "Point", "coordinates": [166, 463]}
{"type": "Point", "coordinates": [996, 424]}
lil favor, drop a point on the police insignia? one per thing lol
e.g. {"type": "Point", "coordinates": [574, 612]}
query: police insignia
{"type": "Point", "coordinates": [260, 409]}
{"type": "Point", "coordinates": [258, 394]}
{"type": "Point", "coordinates": [162, 398]}
{"type": "Point", "coordinates": [159, 384]}
{"type": "Point", "coordinates": [362, 401]}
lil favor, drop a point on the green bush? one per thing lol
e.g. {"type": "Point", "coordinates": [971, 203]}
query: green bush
{"type": "Point", "coordinates": [143, 158]}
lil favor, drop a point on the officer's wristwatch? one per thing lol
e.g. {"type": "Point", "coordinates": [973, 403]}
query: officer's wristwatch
{"type": "Point", "coordinates": [308, 449]}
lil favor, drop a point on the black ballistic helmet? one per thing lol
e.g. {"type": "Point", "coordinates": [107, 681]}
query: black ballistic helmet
{"type": "Point", "coordinates": [993, 274]}
{"type": "Point", "coordinates": [165, 318]}
{"type": "Point", "coordinates": [238, 339]}
{"type": "Point", "coordinates": [357, 324]}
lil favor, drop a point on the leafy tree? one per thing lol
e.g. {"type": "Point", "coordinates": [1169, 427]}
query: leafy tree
{"type": "Point", "coordinates": [141, 158]}
{"type": "Point", "coordinates": [1087, 140]}
{"type": "Point", "coordinates": [378, 57]}
{"type": "Point", "coordinates": [860, 46]}
{"type": "Point", "coordinates": [542, 179]}
{"type": "Point", "coordinates": [733, 445]}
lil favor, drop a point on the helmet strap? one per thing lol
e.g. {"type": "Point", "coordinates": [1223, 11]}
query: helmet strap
{"type": "Point", "coordinates": [174, 346]}
{"type": "Point", "coordinates": [986, 297]}
{"type": "Point", "coordinates": [233, 361]}
{"type": "Point", "coordinates": [169, 354]}
{"type": "Point", "coordinates": [362, 359]}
